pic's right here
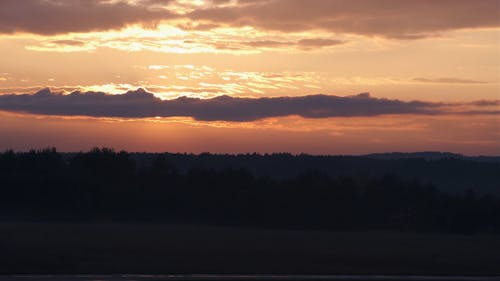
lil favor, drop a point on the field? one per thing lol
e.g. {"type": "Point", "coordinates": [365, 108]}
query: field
{"type": "Point", "coordinates": [127, 248]}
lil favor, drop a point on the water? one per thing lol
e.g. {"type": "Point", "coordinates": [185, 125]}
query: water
{"type": "Point", "coordinates": [220, 277]}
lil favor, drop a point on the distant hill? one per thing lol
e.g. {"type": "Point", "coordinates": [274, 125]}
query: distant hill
{"type": "Point", "coordinates": [430, 155]}
{"type": "Point", "coordinates": [449, 172]}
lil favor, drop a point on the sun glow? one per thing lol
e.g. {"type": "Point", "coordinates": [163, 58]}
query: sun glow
{"type": "Point", "coordinates": [260, 49]}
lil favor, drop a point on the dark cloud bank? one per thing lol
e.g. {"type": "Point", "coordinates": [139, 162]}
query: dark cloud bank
{"type": "Point", "coordinates": [140, 104]}
{"type": "Point", "coordinates": [386, 18]}
{"type": "Point", "coordinates": [49, 17]}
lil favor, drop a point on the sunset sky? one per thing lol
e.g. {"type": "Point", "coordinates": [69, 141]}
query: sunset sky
{"type": "Point", "coordinates": [237, 76]}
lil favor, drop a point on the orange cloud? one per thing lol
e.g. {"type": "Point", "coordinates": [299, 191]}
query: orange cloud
{"type": "Point", "coordinates": [448, 80]}
{"type": "Point", "coordinates": [64, 16]}
{"type": "Point", "coordinates": [386, 18]}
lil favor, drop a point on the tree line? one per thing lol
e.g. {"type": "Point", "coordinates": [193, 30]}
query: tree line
{"type": "Point", "coordinates": [104, 185]}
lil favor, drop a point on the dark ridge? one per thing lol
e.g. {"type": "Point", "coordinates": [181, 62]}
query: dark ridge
{"type": "Point", "coordinates": [277, 191]}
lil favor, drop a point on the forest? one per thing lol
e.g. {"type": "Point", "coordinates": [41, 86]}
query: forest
{"type": "Point", "coordinates": [103, 185]}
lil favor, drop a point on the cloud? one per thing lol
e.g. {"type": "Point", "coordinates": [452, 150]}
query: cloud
{"type": "Point", "coordinates": [486, 103]}
{"type": "Point", "coordinates": [319, 42]}
{"type": "Point", "coordinates": [481, 112]}
{"type": "Point", "coordinates": [68, 42]}
{"type": "Point", "coordinates": [49, 17]}
{"type": "Point", "coordinates": [267, 43]}
{"type": "Point", "coordinates": [303, 44]}
{"type": "Point", "coordinates": [385, 18]}
{"type": "Point", "coordinates": [448, 80]}
{"type": "Point", "coordinates": [140, 104]}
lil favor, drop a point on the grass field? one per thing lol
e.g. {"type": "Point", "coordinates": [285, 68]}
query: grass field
{"type": "Point", "coordinates": [119, 248]}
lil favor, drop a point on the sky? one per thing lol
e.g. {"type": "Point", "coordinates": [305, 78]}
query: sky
{"type": "Point", "coordinates": [243, 76]}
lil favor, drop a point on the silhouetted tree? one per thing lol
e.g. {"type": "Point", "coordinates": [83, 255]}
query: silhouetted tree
{"type": "Point", "coordinates": [106, 185]}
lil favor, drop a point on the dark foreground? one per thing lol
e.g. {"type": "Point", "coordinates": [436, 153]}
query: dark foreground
{"type": "Point", "coordinates": [30, 248]}
{"type": "Point", "coordinates": [218, 277]}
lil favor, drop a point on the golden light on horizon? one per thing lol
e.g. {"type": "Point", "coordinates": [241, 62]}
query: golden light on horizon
{"type": "Point", "coordinates": [264, 49]}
